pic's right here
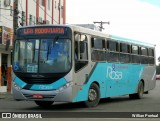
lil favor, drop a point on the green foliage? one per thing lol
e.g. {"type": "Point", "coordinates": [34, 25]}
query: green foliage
{"type": "Point", "coordinates": [158, 69]}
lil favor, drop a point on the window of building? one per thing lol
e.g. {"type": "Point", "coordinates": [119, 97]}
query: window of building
{"type": "Point", "coordinates": [41, 2]}
{"type": "Point", "coordinates": [62, 11]}
{"type": "Point", "coordinates": [31, 20]}
{"type": "Point", "coordinates": [49, 4]}
{"type": "Point", "coordinates": [55, 4]}
{"type": "Point", "coordinates": [11, 11]}
{"type": "Point", "coordinates": [34, 20]}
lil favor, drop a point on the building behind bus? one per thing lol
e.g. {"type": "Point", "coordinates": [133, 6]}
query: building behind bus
{"type": "Point", "coordinates": [16, 13]}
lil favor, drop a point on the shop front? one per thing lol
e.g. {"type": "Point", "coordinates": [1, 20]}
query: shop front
{"type": "Point", "coordinates": [6, 42]}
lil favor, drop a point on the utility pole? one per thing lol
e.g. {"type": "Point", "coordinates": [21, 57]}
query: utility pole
{"type": "Point", "coordinates": [15, 16]}
{"type": "Point", "coordinates": [101, 24]}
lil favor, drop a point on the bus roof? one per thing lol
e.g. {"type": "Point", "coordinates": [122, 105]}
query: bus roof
{"type": "Point", "coordinates": [75, 28]}
{"type": "Point", "coordinates": [120, 39]}
{"type": "Point", "coordinates": [131, 41]}
{"type": "Point", "coordinates": [88, 31]}
{"type": "Point", "coordinates": [100, 34]}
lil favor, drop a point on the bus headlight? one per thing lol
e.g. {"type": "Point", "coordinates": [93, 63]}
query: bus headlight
{"type": "Point", "coordinates": [65, 86]}
{"type": "Point", "coordinates": [16, 86]}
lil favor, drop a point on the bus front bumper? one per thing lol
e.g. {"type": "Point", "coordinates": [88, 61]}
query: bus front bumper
{"type": "Point", "coordinates": [32, 95]}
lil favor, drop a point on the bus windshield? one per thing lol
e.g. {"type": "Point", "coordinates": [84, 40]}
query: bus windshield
{"type": "Point", "coordinates": [42, 56]}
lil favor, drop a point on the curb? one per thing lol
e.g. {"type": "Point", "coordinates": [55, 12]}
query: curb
{"type": "Point", "coordinates": [5, 95]}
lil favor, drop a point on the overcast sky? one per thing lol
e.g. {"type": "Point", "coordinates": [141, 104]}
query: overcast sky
{"type": "Point", "coordinates": [135, 19]}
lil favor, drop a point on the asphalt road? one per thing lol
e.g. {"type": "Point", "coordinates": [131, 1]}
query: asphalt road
{"type": "Point", "coordinates": [118, 105]}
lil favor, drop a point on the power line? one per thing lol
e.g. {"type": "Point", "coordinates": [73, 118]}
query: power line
{"type": "Point", "coordinates": [21, 5]}
{"type": "Point", "coordinates": [6, 9]}
{"type": "Point", "coordinates": [37, 4]}
{"type": "Point", "coordinates": [5, 15]}
{"type": "Point", "coordinates": [6, 18]}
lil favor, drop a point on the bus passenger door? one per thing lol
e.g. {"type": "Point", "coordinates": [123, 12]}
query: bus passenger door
{"type": "Point", "coordinates": [81, 51]}
{"type": "Point", "coordinates": [80, 66]}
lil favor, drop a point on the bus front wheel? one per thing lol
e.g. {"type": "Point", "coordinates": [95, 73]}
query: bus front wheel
{"type": "Point", "coordinates": [139, 93]}
{"type": "Point", "coordinates": [44, 104]}
{"type": "Point", "coordinates": [93, 96]}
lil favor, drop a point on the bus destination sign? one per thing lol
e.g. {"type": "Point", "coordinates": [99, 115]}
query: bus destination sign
{"type": "Point", "coordinates": [41, 31]}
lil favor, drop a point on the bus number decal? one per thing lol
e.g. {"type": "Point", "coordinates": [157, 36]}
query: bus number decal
{"type": "Point", "coordinates": [43, 87]}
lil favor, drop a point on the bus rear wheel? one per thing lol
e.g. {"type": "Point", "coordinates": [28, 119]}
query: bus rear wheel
{"type": "Point", "coordinates": [93, 96]}
{"type": "Point", "coordinates": [44, 104]}
{"type": "Point", "coordinates": [139, 93]}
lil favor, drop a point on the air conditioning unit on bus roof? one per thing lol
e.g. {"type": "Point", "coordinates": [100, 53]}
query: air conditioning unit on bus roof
{"type": "Point", "coordinates": [7, 3]}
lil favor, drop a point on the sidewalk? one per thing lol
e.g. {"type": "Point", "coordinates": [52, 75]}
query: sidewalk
{"type": "Point", "coordinates": [6, 95]}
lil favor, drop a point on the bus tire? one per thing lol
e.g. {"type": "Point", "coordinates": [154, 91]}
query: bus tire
{"type": "Point", "coordinates": [44, 104]}
{"type": "Point", "coordinates": [139, 93]}
{"type": "Point", "coordinates": [93, 96]}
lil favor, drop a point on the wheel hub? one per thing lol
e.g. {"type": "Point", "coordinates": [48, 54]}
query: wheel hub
{"type": "Point", "coordinates": [92, 95]}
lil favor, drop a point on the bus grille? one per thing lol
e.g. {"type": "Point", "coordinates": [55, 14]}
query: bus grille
{"type": "Point", "coordinates": [39, 81]}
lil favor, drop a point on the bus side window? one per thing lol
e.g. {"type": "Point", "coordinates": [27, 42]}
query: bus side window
{"type": "Point", "coordinates": [124, 56]}
{"type": "Point", "coordinates": [144, 55]}
{"type": "Point", "coordinates": [135, 57]}
{"type": "Point", "coordinates": [112, 54]}
{"type": "Point", "coordinates": [151, 56]}
{"type": "Point", "coordinates": [83, 48]}
{"type": "Point", "coordinates": [98, 49]}
{"type": "Point", "coordinates": [77, 39]}
{"type": "Point", "coordinates": [81, 51]}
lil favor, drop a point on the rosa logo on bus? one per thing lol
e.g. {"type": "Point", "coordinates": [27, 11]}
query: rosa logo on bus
{"type": "Point", "coordinates": [113, 74]}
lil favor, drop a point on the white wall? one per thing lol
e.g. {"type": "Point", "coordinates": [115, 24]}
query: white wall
{"type": "Point", "coordinates": [31, 10]}
{"type": "Point", "coordinates": [6, 19]}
